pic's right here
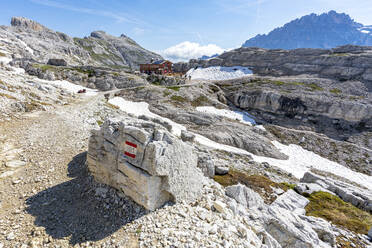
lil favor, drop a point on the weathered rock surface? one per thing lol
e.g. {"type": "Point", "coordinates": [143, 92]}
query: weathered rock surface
{"type": "Point", "coordinates": [100, 78]}
{"type": "Point", "coordinates": [283, 222]}
{"type": "Point", "coordinates": [308, 103]}
{"type": "Point", "coordinates": [145, 161]}
{"type": "Point", "coordinates": [343, 63]}
{"type": "Point", "coordinates": [245, 196]}
{"type": "Point", "coordinates": [165, 80]}
{"type": "Point", "coordinates": [28, 39]}
{"type": "Point", "coordinates": [57, 62]}
{"type": "Point", "coordinates": [361, 198]}
{"type": "Point", "coordinates": [292, 201]}
{"type": "Point", "coordinates": [309, 188]}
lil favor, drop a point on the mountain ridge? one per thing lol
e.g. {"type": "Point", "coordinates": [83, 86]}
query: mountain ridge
{"type": "Point", "coordinates": [327, 30]}
{"type": "Point", "coordinates": [99, 49]}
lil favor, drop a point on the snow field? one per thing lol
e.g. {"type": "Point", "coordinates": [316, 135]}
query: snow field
{"type": "Point", "coordinates": [219, 73]}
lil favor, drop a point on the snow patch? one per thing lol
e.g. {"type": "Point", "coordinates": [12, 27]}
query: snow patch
{"type": "Point", "coordinates": [70, 87]}
{"type": "Point", "coordinates": [219, 73]}
{"type": "Point", "coordinates": [300, 160]}
{"type": "Point", "coordinates": [243, 117]}
{"type": "Point", "coordinates": [142, 108]}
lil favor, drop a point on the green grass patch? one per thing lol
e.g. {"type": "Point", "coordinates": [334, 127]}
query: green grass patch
{"type": "Point", "coordinates": [261, 184]}
{"type": "Point", "coordinates": [201, 100]}
{"type": "Point", "coordinates": [335, 91]}
{"type": "Point", "coordinates": [45, 68]}
{"type": "Point", "coordinates": [287, 186]}
{"type": "Point", "coordinates": [166, 93]}
{"type": "Point", "coordinates": [177, 98]}
{"type": "Point", "coordinates": [339, 54]}
{"type": "Point", "coordinates": [314, 87]}
{"type": "Point", "coordinates": [99, 122]}
{"type": "Point", "coordinates": [335, 210]}
{"type": "Point", "coordinates": [175, 88]}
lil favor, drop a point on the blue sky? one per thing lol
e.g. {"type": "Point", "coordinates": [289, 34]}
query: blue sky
{"type": "Point", "coordinates": [182, 26]}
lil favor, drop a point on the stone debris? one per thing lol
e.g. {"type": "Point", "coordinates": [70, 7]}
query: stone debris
{"type": "Point", "coordinates": [283, 221]}
{"type": "Point", "coordinates": [145, 161]}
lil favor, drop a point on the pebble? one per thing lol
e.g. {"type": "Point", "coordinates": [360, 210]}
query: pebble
{"type": "Point", "coordinates": [219, 206]}
{"type": "Point", "coordinates": [15, 164]}
{"type": "Point", "coordinates": [10, 236]}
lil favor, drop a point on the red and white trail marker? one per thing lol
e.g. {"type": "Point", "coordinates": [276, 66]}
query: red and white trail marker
{"type": "Point", "coordinates": [130, 149]}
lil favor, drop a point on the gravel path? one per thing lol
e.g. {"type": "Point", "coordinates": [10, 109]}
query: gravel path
{"type": "Point", "coordinates": [51, 200]}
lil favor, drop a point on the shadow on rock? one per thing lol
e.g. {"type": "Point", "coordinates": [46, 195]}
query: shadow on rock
{"type": "Point", "coordinates": [81, 208]}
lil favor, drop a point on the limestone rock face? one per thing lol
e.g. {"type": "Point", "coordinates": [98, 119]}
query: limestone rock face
{"type": "Point", "coordinates": [342, 63]}
{"type": "Point", "coordinates": [292, 201]}
{"type": "Point", "coordinates": [26, 38]}
{"type": "Point", "coordinates": [145, 161]}
{"type": "Point", "coordinates": [245, 196]}
{"type": "Point", "coordinates": [26, 23]}
{"type": "Point", "coordinates": [283, 223]}
{"type": "Point", "coordinates": [360, 198]}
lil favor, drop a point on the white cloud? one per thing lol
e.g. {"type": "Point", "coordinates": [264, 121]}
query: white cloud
{"type": "Point", "coordinates": [189, 50]}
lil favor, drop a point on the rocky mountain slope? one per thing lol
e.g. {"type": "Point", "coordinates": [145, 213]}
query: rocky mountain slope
{"type": "Point", "coordinates": [327, 30]}
{"type": "Point", "coordinates": [28, 39]}
{"type": "Point", "coordinates": [153, 161]}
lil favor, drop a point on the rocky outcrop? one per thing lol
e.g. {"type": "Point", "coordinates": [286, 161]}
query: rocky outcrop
{"type": "Point", "coordinates": [22, 22]}
{"type": "Point", "coordinates": [342, 63]}
{"type": "Point", "coordinates": [165, 80]}
{"type": "Point", "coordinates": [27, 38]}
{"type": "Point", "coordinates": [360, 198]}
{"type": "Point", "coordinates": [283, 223]}
{"type": "Point", "coordinates": [145, 161]}
{"type": "Point", "coordinates": [57, 62]}
{"type": "Point", "coordinates": [245, 196]}
{"type": "Point", "coordinates": [306, 103]}
{"type": "Point", "coordinates": [100, 78]}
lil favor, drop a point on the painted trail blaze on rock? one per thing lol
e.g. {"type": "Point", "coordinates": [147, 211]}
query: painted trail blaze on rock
{"type": "Point", "coordinates": [144, 161]}
{"type": "Point", "coordinates": [130, 149]}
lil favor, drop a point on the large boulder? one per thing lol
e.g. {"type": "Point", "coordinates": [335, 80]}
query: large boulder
{"type": "Point", "coordinates": [145, 161]}
{"type": "Point", "coordinates": [57, 62]}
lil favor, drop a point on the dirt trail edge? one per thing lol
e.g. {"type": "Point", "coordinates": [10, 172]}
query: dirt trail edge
{"type": "Point", "coordinates": [49, 201]}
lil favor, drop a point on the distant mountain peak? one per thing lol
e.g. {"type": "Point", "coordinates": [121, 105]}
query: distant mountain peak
{"type": "Point", "coordinates": [327, 30]}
